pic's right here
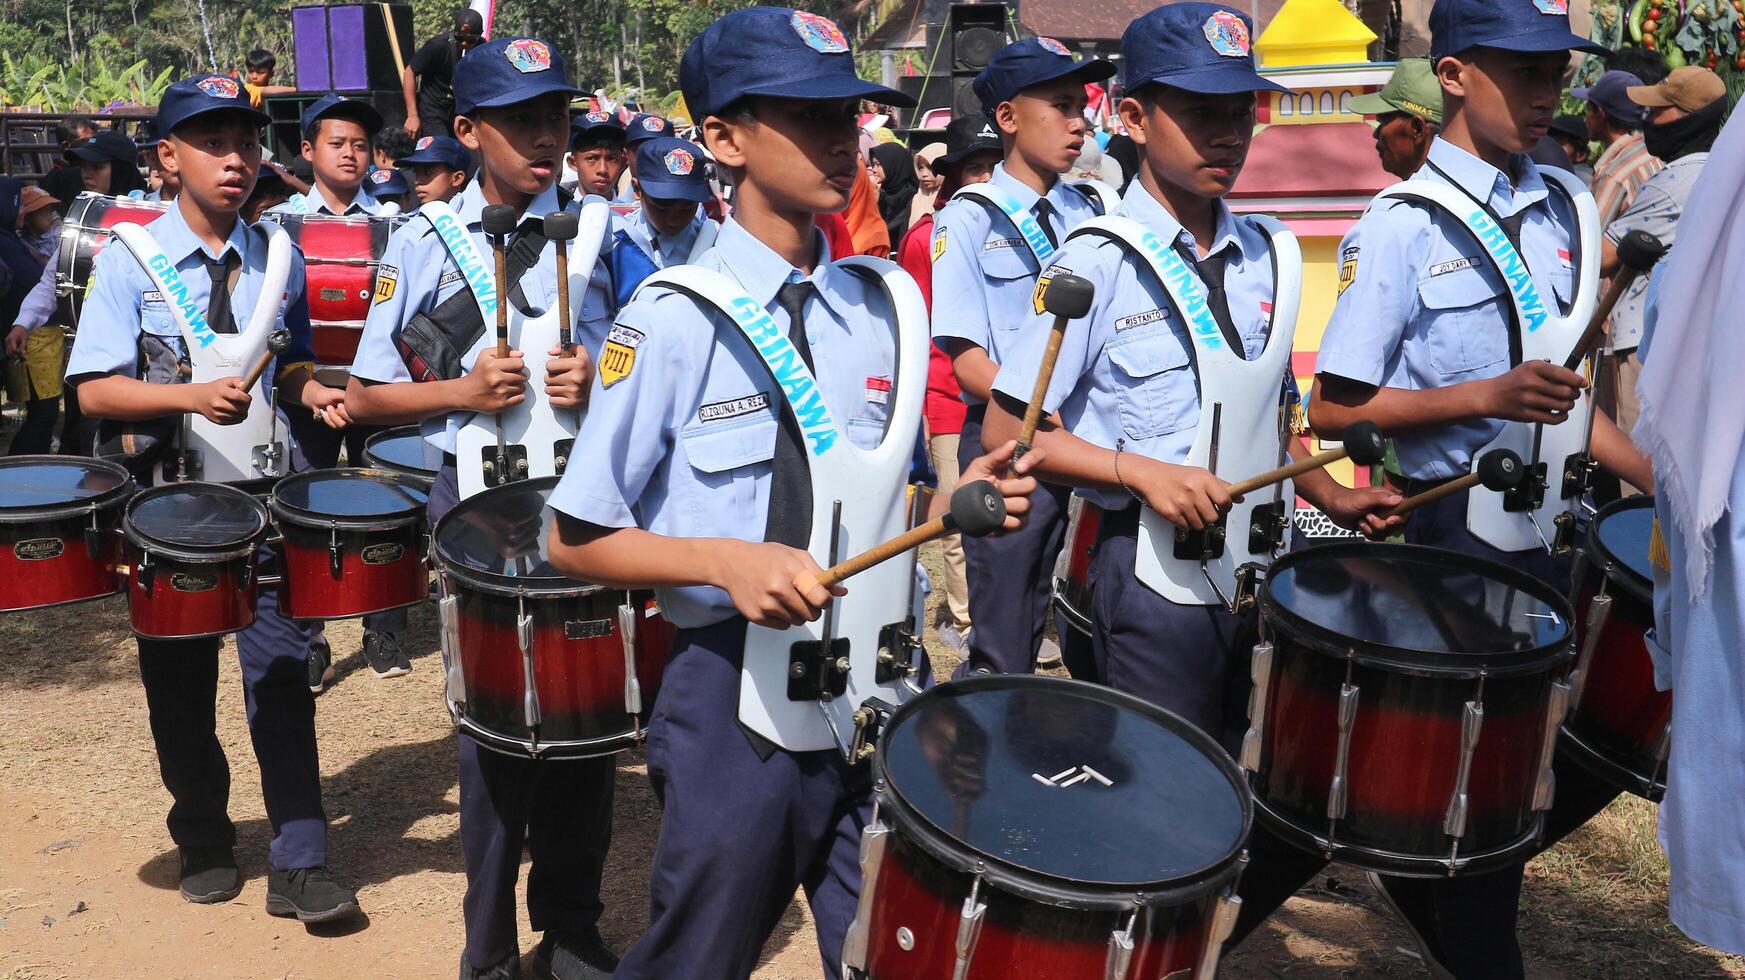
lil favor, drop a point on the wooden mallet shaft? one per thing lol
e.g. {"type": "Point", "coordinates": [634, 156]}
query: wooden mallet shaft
{"type": "Point", "coordinates": [1068, 297]}
{"type": "Point", "coordinates": [977, 509]}
{"type": "Point", "coordinates": [1362, 442]}
{"type": "Point", "coordinates": [560, 228]}
{"type": "Point", "coordinates": [1499, 469]}
{"type": "Point", "coordinates": [1637, 253]}
{"type": "Point", "coordinates": [498, 222]}
{"type": "Point", "coordinates": [277, 344]}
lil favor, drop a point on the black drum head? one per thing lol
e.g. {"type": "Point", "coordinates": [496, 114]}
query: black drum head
{"type": "Point", "coordinates": [46, 487]}
{"type": "Point", "coordinates": [195, 517]}
{"type": "Point", "coordinates": [1070, 790]}
{"type": "Point", "coordinates": [349, 497]}
{"type": "Point", "coordinates": [498, 537]}
{"type": "Point", "coordinates": [1620, 535]}
{"type": "Point", "coordinates": [1417, 607]}
{"type": "Point", "coordinates": [400, 449]}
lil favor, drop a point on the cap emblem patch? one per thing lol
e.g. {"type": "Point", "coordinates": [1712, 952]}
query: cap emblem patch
{"type": "Point", "coordinates": [654, 124]}
{"type": "Point", "coordinates": [820, 33]}
{"type": "Point", "coordinates": [1556, 8]}
{"type": "Point", "coordinates": [381, 176]}
{"type": "Point", "coordinates": [680, 162]}
{"type": "Point", "coordinates": [219, 87]}
{"type": "Point", "coordinates": [528, 55]}
{"type": "Point", "coordinates": [424, 142]}
{"type": "Point", "coordinates": [1228, 35]}
{"type": "Point", "coordinates": [1052, 46]}
{"type": "Point", "coordinates": [599, 117]}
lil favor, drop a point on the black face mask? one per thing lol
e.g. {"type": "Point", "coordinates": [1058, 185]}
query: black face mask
{"type": "Point", "coordinates": [1691, 134]}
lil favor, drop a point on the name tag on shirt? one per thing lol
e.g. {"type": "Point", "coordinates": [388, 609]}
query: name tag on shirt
{"type": "Point", "coordinates": [1452, 265]}
{"type": "Point", "coordinates": [152, 297]}
{"type": "Point", "coordinates": [1140, 319]}
{"type": "Point", "coordinates": [999, 243]}
{"type": "Point", "coordinates": [733, 407]}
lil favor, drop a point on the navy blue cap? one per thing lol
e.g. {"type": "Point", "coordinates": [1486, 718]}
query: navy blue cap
{"type": "Point", "coordinates": [1198, 47]}
{"type": "Point", "coordinates": [340, 107]}
{"type": "Point", "coordinates": [671, 169]}
{"type": "Point", "coordinates": [201, 94]}
{"type": "Point", "coordinates": [507, 70]}
{"type": "Point", "coordinates": [646, 126]}
{"type": "Point", "coordinates": [105, 144]}
{"type": "Point", "coordinates": [1507, 25]}
{"type": "Point", "coordinates": [774, 52]}
{"type": "Point", "coordinates": [388, 183]}
{"type": "Point", "coordinates": [597, 127]}
{"type": "Point", "coordinates": [1032, 61]}
{"type": "Point", "coordinates": [445, 150]}
{"type": "Point", "coordinates": [1610, 94]}
{"type": "Point", "coordinates": [147, 134]}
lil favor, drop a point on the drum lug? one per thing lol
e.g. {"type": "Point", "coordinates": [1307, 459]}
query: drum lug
{"type": "Point", "coordinates": [335, 557]}
{"type": "Point", "coordinates": [147, 572]}
{"type": "Point", "coordinates": [1558, 708]}
{"type": "Point", "coordinates": [1471, 723]}
{"type": "Point", "coordinates": [268, 459]}
{"type": "Point", "coordinates": [869, 722]}
{"type": "Point", "coordinates": [1598, 611]}
{"type": "Point", "coordinates": [969, 929]}
{"type": "Point", "coordinates": [249, 572]}
{"type": "Point", "coordinates": [1223, 923]}
{"type": "Point", "coordinates": [530, 688]}
{"type": "Point", "coordinates": [873, 840]}
{"type": "Point", "coordinates": [450, 617]}
{"type": "Point", "coordinates": [94, 539]}
{"type": "Point", "coordinates": [1120, 956]}
{"type": "Point", "coordinates": [1340, 788]}
{"type": "Point", "coordinates": [1260, 673]}
{"type": "Point", "coordinates": [632, 686]}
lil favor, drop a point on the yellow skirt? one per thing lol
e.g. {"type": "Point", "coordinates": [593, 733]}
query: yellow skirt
{"type": "Point", "coordinates": [45, 361]}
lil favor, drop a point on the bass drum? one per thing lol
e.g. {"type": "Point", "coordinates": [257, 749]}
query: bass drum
{"type": "Point", "coordinates": [1620, 726]}
{"type": "Point", "coordinates": [1049, 829]}
{"type": "Point", "coordinates": [84, 234]}
{"type": "Point", "coordinates": [60, 524]}
{"type": "Point", "coordinates": [341, 256]}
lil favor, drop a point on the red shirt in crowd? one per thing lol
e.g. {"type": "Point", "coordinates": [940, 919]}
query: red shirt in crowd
{"type": "Point", "coordinates": [944, 405]}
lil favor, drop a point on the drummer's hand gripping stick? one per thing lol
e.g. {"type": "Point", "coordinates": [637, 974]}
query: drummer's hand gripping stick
{"type": "Point", "coordinates": [277, 343]}
{"type": "Point", "coordinates": [1499, 470]}
{"type": "Point", "coordinates": [498, 222]}
{"type": "Point", "coordinates": [1068, 297]}
{"type": "Point", "coordinates": [560, 228]}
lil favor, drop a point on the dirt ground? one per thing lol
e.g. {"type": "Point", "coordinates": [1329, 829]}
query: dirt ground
{"type": "Point", "coordinates": [88, 874]}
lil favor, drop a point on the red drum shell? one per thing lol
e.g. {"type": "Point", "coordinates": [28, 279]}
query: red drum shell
{"type": "Point", "coordinates": [1072, 593]}
{"type": "Point", "coordinates": [191, 599]}
{"type": "Point", "coordinates": [85, 233]}
{"type": "Point", "coordinates": [341, 256]}
{"type": "Point", "coordinates": [188, 579]}
{"type": "Point", "coordinates": [1405, 742]}
{"type": "Point", "coordinates": [52, 554]}
{"type": "Point", "coordinates": [383, 558]}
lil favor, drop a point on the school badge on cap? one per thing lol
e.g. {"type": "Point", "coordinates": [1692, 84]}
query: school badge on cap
{"type": "Point", "coordinates": [528, 55]}
{"type": "Point", "coordinates": [1229, 36]}
{"type": "Point", "coordinates": [680, 163]}
{"type": "Point", "coordinates": [381, 176]}
{"type": "Point", "coordinates": [219, 87]}
{"type": "Point", "coordinates": [820, 33]}
{"type": "Point", "coordinates": [1052, 46]}
{"type": "Point", "coordinates": [599, 117]}
{"type": "Point", "coordinates": [1556, 8]}
{"type": "Point", "coordinates": [424, 143]}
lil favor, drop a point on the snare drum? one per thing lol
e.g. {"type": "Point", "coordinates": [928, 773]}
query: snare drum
{"type": "Point", "coordinates": [1405, 706]}
{"type": "Point", "coordinates": [538, 665]}
{"type": "Point", "coordinates": [1033, 826]}
{"type": "Point", "coordinates": [403, 450]}
{"type": "Point", "coordinates": [191, 548]}
{"type": "Point", "coordinates": [354, 543]}
{"type": "Point", "coordinates": [340, 257]}
{"type": "Point", "coordinates": [1620, 726]}
{"type": "Point", "coordinates": [84, 233]}
{"type": "Point", "coordinates": [60, 518]}
{"type": "Point", "coordinates": [1072, 571]}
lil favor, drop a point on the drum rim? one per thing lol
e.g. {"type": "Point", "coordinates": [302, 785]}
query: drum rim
{"type": "Point", "coordinates": [1510, 663]}
{"type": "Point", "coordinates": [1039, 886]}
{"type": "Point", "coordinates": [196, 553]}
{"type": "Point", "coordinates": [39, 513]}
{"type": "Point", "coordinates": [1615, 569]}
{"type": "Point", "coordinates": [492, 582]}
{"type": "Point", "coordinates": [397, 432]}
{"type": "Point", "coordinates": [303, 517]}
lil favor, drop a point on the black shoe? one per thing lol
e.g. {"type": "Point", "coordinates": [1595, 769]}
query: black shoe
{"type": "Point", "coordinates": [382, 650]}
{"type": "Point", "coordinates": [320, 665]}
{"type": "Point", "coordinates": [310, 894]}
{"type": "Point", "coordinates": [509, 969]}
{"type": "Point", "coordinates": [573, 956]}
{"type": "Point", "coordinates": [209, 875]}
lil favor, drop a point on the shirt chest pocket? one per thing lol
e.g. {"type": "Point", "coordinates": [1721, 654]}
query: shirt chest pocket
{"type": "Point", "coordinates": [1010, 266]}
{"type": "Point", "coordinates": [155, 318]}
{"type": "Point", "coordinates": [727, 457]}
{"type": "Point", "coordinates": [1469, 328]}
{"type": "Point", "coordinates": [1154, 384]}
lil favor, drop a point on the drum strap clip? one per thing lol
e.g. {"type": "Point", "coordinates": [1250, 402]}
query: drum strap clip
{"type": "Point", "coordinates": [1563, 542]}
{"type": "Point", "coordinates": [1529, 494]}
{"type": "Point", "coordinates": [898, 645]}
{"type": "Point", "coordinates": [869, 722]}
{"type": "Point", "coordinates": [147, 572]}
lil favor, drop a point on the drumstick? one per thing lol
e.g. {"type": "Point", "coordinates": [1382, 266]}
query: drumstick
{"type": "Point", "coordinates": [1499, 469]}
{"type": "Point", "coordinates": [977, 509]}
{"type": "Point", "coordinates": [277, 344]}
{"type": "Point", "coordinates": [1068, 297]}
{"type": "Point", "coordinates": [498, 221]}
{"type": "Point", "coordinates": [1361, 441]}
{"type": "Point", "coordinates": [1638, 253]}
{"type": "Point", "coordinates": [560, 227]}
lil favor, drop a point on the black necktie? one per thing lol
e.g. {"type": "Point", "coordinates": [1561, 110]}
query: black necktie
{"type": "Point", "coordinates": [1042, 209]}
{"type": "Point", "coordinates": [218, 300]}
{"type": "Point", "coordinates": [1211, 270]}
{"type": "Point", "coordinates": [790, 497]}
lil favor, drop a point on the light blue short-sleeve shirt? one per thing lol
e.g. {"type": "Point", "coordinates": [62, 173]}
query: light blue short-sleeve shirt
{"type": "Point", "coordinates": [663, 250]}
{"type": "Point", "coordinates": [683, 441]}
{"type": "Point", "coordinates": [1421, 305]}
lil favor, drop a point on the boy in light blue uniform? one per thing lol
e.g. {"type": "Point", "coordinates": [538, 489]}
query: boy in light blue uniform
{"type": "Point", "coordinates": [339, 156]}
{"type": "Point", "coordinates": [427, 356]}
{"type": "Point", "coordinates": [642, 127]}
{"type": "Point", "coordinates": [691, 493]}
{"type": "Point", "coordinates": [131, 365]}
{"type": "Point", "coordinates": [663, 231]}
{"type": "Point", "coordinates": [1126, 384]}
{"type": "Point", "coordinates": [1420, 343]}
{"type": "Point", "coordinates": [985, 266]}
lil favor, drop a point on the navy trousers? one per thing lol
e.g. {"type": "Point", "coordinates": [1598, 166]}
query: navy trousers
{"type": "Point", "coordinates": [560, 812]}
{"type": "Point", "coordinates": [181, 684]}
{"type": "Point", "coordinates": [1470, 920]}
{"type": "Point", "coordinates": [316, 447]}
{"type": "Point", "coordinates": [740, 830]}
{"type": "Point", "coordinates": [1011, 576]}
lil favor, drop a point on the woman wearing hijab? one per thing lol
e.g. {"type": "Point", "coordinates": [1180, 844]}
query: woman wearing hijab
{"type": "Point", "coordinates": [898, 189]}
{"type": "Point", "coordinates": [929, 181]}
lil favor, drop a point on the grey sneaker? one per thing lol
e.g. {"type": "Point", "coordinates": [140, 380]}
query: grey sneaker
{"type": "Point", "coordinates": [209, 875]}
{"type": "Point", "coordinates": [320, 664]}
{"type": "Point", "coordinates": [1048, 654]}
{"type": "Point", "coordinates": [952, 640]}
{"type": "Point", "coordinates": [382, 651]}
{"type": "Point", "coordinates": [309, 895]}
